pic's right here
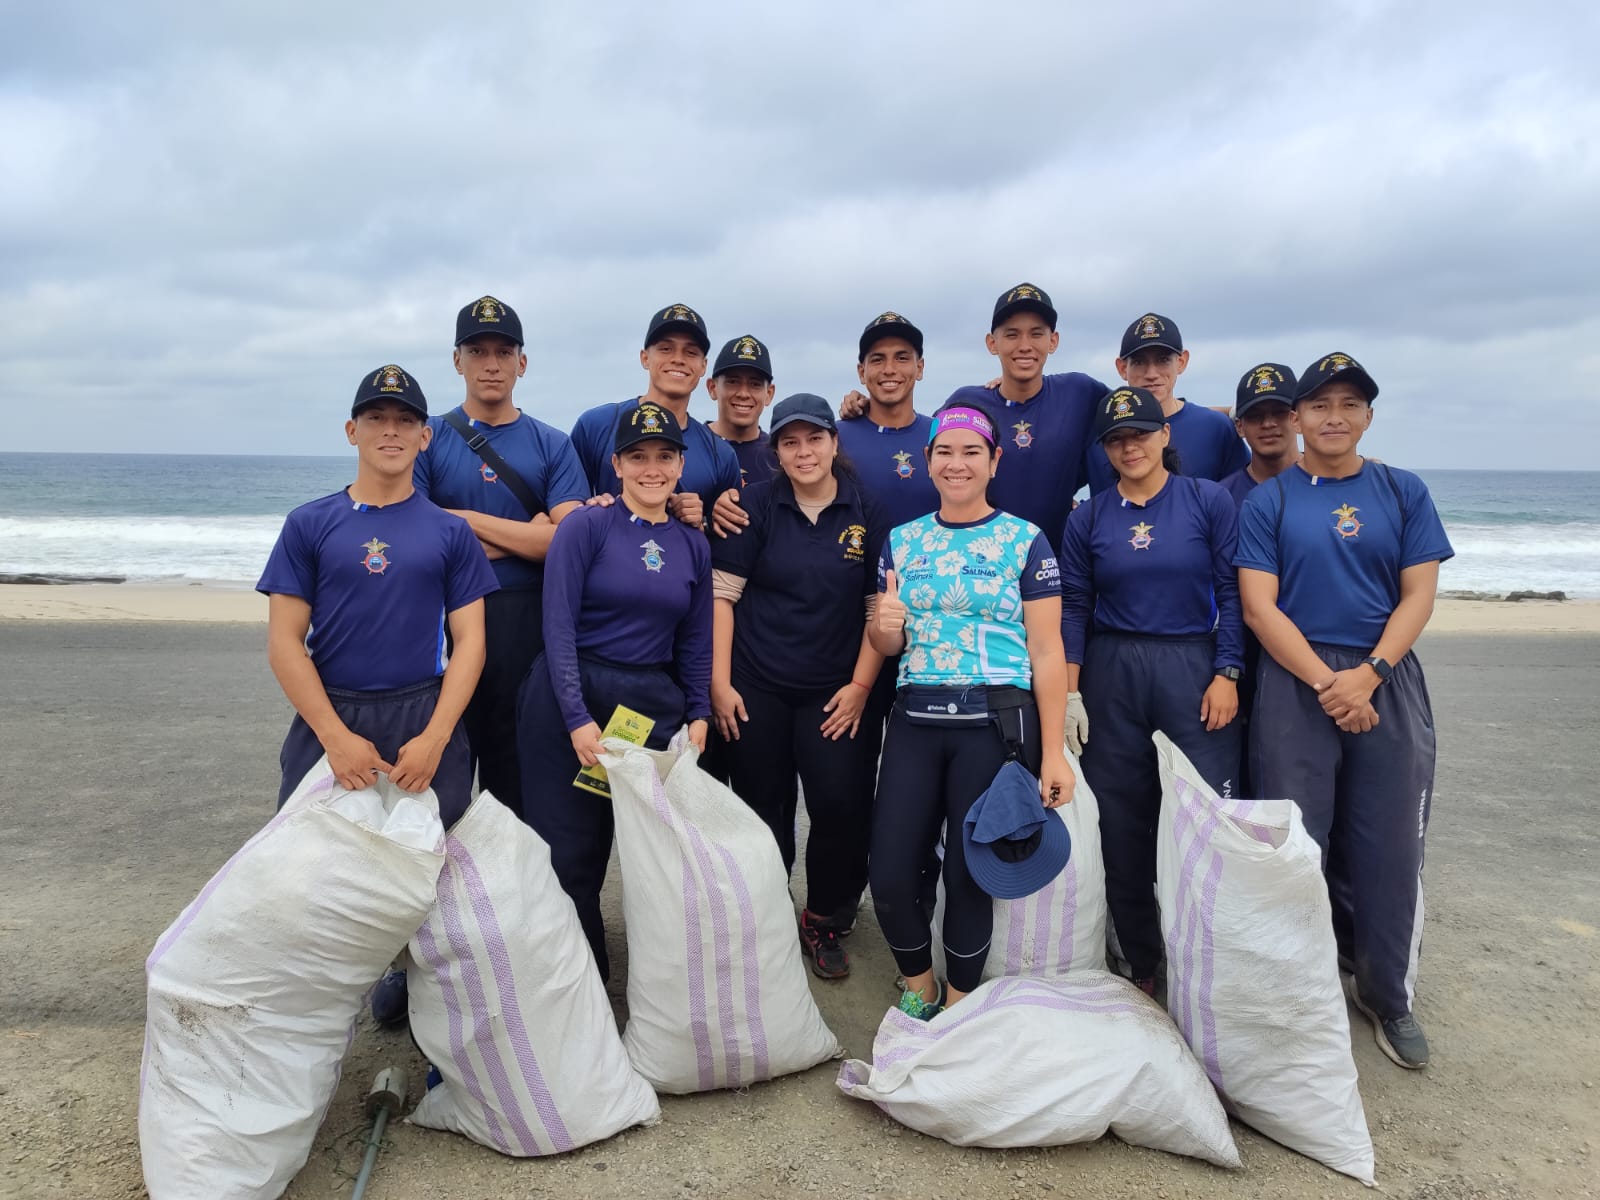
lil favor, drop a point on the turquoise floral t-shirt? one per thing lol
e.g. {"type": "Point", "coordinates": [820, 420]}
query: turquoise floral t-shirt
{"type": "Point", "coordinates": [963, 587]}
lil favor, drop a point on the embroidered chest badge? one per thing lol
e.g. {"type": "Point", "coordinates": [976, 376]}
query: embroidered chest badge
{"type": "Point", "coordinates": [1143, 535]}
{"type": "Point", "coordinates": [488, 473]}
{"type": "Point", "coordinates": [375, 561]}
{"type": "Point", "coordinates": [1345, 521]}
{"type": "Point", "coordinates": [902, 465]}
{"type": "Point", "coordinates": [1024, 436]}
{"type": "Point", "coordinates": [653, 560]}
{"type": "Point", "coordinates": [854, 541]}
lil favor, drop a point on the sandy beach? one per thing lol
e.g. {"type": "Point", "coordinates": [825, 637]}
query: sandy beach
{"type": "Point", "coordinates": [139, 754]}
{"type": "Point", "coordinates": [213, 602]}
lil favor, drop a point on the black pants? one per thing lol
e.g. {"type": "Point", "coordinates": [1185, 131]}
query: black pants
{"type": "Point", "coordinates": [1366, 799]}
{"type": "Point", "coordinates": [929, 778]}
{"type": "Point", "coordinates": [1133, 686]}
{"type": "Point", "coordinates": [388, 719]}
{"type": "Point", "coordinates": [513, 626]}
{"type": "Point", "coordinates": [576, 823]}
{"type": "Point", "coordinates": [784, 737]}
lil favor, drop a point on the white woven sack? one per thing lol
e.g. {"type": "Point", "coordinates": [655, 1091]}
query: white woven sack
{"type": "Point", "coordinates": [253, 992]}
{"type": "Point", "coordinates": [717, 994]}
{"type": "Point", "coordinates": [1045, 1062]}
{"type": "Point", "coordinates": [1252, 970]}
{"type": "Point", "coordinates": [1061, 927]}
{"type": "Point", "coordinates": [507, 1003]}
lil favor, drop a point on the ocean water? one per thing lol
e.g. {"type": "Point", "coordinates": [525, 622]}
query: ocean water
{"type": "Point", "coordinates": [175, 517]}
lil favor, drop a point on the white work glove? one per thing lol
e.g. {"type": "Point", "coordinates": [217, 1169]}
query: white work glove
{"type": "Point", "coordinates": [1077, 722]}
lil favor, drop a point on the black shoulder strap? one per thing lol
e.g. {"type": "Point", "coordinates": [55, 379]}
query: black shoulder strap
{"type": "Point", "coordinates": [1399, 500]}
{"type": "Point", "coordinates": [478, 443]}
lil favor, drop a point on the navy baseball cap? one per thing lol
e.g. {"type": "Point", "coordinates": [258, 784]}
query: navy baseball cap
{"type": "Point", "coordinates": [1014, 844]}
{"type": "Point", "coordinates": [488, 315]}
{"type": "Point", "coordinates": [744, 352]}
{"type": "Point", "coordinates": [1263, 382]}
{"type": "Point", "coordinates": [676, 318]}
{"type": "Point", "coordinates": [1152, 329]}
{"type": "Point", "coordinates": [887, 325]}
{"type": "Point", "coordinates": [389, 382]}
{"type": "Point", "coordinates": [644, 421]}
{"type": "Point", "coordinates": [1023, 298]}
{"type": "Point", "coordinates": [1127, 408]}
{"type": "Point", "coordinates": [802, 406]}
{"type": "Point", "coordinates": [1340, 367]}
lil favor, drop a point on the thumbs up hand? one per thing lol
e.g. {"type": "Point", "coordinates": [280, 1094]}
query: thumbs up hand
{"type": "Point", "coordinates": [889, 620]}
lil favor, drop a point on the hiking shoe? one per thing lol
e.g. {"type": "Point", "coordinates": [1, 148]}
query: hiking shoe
{"type": "Point", "coordinates": [820, 940]}
{"type": "Point", "coordinates": [914, 1006]}
{"type": "Point", "coordinates": [391, 1005]}
{"type": "Point", "coordinates": [1400, 1038]}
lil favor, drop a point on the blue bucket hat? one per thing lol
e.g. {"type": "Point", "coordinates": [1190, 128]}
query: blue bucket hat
{"type": "Point", "coordinates": [1014, 844]}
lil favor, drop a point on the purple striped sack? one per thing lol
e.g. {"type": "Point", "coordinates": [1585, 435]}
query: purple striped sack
{"type": "Point", "coordinates": [1061, 927]}
{"type": "Point", "coordinates": [507, 1003]}
{"type": "Point", "coordinates": [1045, 1062]}
{"type": "Point", "coordinates": [1252, 970]}
{"type": "Point", "coordinates": [717, 994]}
{"type": "Point", "coordinates": [254, 991]}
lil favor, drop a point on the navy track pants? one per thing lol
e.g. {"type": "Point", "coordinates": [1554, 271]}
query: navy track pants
{"type": "Point", "coordinates": [1366, 799]}
{"type": "Point", "coordinates": [576, 823]}
{"type": "Point", "coordinates": [1133, 686]}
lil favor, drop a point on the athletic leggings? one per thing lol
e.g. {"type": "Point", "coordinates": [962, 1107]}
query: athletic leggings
{"type": "Point", "coordinates": [929, 778]}
{"type": "Point", "coordinates": [782, 737]}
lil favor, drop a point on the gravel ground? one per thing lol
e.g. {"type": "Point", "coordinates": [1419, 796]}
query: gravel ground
{"type": "Point", "coordinates": [136, 758]}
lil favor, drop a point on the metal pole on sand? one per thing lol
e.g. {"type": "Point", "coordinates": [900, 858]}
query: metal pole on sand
{"type": "Point", "coordinates": [388, 1096]}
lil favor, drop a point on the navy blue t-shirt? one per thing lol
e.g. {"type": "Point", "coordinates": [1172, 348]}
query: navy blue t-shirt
{"type": "Point", "coordinates": [892, 466]}
{"type": "Point", "coordinates": [380, 582]}
{"type": "Point", "coordinates": [623, 589]}
{"type": "Point", "coordinates": [757, 461]}
{"type": "Point", "coordinates": [1208, 447]}
{"type": "Point", "coordinates": [710, 466]}
{"type": "Point", "coordinates": [1163, 568]}
{"type": "Point", "coordinates": [1338, 551]}
{"type": "Point", "coordinates": [1044, 443]}
{"type": "Point", "coordinates": [453, 476]}
{"type": "Point", "coordinates": [1239, 485]}
{"type": "Point", "coordinates": [804, 603]}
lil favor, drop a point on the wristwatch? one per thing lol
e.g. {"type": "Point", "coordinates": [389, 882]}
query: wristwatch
{"type": "Point", "coordinates": [1383, 669]}
{"type": "Point", "coordinates": [1231, 673]}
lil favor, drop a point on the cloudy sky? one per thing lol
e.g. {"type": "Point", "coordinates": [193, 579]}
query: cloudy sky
{"type": "Point", "coordinates": [215, 218]}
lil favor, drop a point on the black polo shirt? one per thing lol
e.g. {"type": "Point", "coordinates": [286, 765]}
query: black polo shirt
{"type": "Point", "coordinates": [799, 622]}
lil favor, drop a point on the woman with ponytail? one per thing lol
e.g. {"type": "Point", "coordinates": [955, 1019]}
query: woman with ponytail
{"type": "Point", "coordinates": [1154, 640]}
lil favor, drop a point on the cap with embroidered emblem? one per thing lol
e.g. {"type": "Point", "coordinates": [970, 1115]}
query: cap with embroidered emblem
{"type": "Point", "coordinates": [746, 352]}
{"type": "Point", "coordinates": [488, 315]}
{"type": "Point", "coordinates": [1263, 382]}
{"type": "Point", "coordinates": [1127, 408]}
{"type": "Point", "coordinates": [1023, 298]}
{"type": "Point", "coordinates": [1151, 330]}
{"type": "Point", "coordinates": [887, 325]}
{"type": "Point", "coordinates": [678, 318]}
{"type": "Point", "coordinates": [389, 382]}
{"type": "Point", "coordinates": [1336, 367]}
{"type": "Point", "coordinates": [643, 421]}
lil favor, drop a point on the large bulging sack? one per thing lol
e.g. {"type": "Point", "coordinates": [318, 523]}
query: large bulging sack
{"type": "Point", "coordinates": [253, 992]}
{"type": "Point", "coordinates": [1061, 927]}
{"type": "Point", "coordinates": [1045, 1062]}
{"type": "Point", "coordinates": [717, 994]}
{"type": "Point", "coordinates": [507, 1004]}
{"type": "Point", "coordinates": [1252, 970]}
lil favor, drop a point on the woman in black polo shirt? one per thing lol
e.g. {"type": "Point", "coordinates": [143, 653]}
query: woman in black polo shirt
{"type": "Point", "coordinates": [792, 669]}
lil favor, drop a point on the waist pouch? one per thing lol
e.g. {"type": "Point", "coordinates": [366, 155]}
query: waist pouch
{"type": "Point", "coordinates": [954, 707]}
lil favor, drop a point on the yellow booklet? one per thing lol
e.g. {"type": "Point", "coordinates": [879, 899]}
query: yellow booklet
{"type": "Point", "coordinates": [626, 724]}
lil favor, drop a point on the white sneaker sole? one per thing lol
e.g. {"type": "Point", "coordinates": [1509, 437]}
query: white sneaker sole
{"type": "Point", "coordinates": [1378, 1035]}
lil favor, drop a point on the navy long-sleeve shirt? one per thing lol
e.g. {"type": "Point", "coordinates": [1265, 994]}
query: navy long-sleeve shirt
{"type": "Point", "coordinates": [620, 588]}
{"type": "Point", "coordinates": [1163, 568]}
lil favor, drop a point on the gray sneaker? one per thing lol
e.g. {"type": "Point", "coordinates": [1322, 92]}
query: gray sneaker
{"type": "Point", "coordinates": [1401, 1038]}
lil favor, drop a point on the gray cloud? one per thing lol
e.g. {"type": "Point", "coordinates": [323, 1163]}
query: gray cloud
{"type": "Point", "coordinates": [216, 220]}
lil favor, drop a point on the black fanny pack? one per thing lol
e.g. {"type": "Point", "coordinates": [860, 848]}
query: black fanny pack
{"type": "Point", "coordinates": [954, 706]}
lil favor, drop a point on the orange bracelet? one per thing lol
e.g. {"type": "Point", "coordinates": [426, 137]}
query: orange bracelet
{"type": "Point", "coordinates": [863, 686]}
